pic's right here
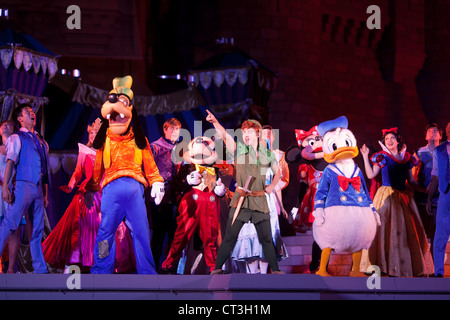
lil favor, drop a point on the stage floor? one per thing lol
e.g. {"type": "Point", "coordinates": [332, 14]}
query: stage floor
{"type": "Point", "coordinates": [219, 287]}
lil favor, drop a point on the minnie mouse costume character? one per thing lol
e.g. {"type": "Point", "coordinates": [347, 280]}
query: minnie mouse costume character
{"type": "Point", "coordinates": [310, 155]}
{"type": "Point", "coordinates": [125, 158]}
{"type": "Point", "coordinates": [199, 209]}
{"type": "Point", "coordinates": [309, 173]}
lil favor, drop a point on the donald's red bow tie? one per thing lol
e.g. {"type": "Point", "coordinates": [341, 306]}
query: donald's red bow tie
{"type": "Point", "coordinates": [344, 182]}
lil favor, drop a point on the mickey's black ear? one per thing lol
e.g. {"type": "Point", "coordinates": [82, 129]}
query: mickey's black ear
{"type": "Point", "coordinates": [100, 138]}
{"type": "Point", "coordinates": [139, 136]}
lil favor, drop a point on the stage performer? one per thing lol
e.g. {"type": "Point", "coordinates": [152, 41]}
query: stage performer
{"type": "Point", "coordinates": [125, 162]}
{"type": "Point", "coordinates": [247, 248]}
{"type": "Point", "coordinates": [199, 209]}
{"type": "Point", "coordinates": [309, 173]}
{"type": "Point", "coordinates": [400, 246]}
{"type": "Point", "coordinates": [422, 174]}
{"type": "Point", "coordinates": [27, 153]}
{"type": "Point", "coordinates": [7, 128]}
{"type": "Point", "coordinates": [72, 241]}
{"type": "Point", "coordinates": [163, 216]}
{"type": "Point", "coordinates": [345, 219]}
{"type": "Point", "coordinates": [441, 177]}
{"type": "Point", "coordinates": [249, 202]}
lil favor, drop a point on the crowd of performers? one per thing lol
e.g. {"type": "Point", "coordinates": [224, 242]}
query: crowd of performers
{"type": "Point", "coordinates": [138, 209]}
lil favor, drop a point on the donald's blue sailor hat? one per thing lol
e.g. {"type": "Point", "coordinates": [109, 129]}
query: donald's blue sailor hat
{"type": "Point", "coordinates": [324, 127]}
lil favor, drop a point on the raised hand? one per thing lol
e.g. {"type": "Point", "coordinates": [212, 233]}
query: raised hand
{"type": "Point", "coordinates": [364, 150]}
{"type": "Point", "coordinates": [210, 117]}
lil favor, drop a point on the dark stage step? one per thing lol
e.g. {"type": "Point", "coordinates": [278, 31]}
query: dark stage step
{"type": "Point", "coordinates": [219, 287]}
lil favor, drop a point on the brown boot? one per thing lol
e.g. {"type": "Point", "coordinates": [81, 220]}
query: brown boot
{"type": "Point", "coordinates": [217, 271]}
{"type": "Point", "coordinates": [278, 272]}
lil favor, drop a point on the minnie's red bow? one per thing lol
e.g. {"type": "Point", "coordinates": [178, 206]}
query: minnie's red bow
{"type": "Point", "coordinates": [391, 130]}
{"type": "Point", "coordinates": [300, 135]}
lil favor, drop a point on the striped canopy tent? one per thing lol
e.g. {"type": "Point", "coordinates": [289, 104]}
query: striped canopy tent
{"type": "Point", "coordinates": [73, 105]}
{"type": "Point", "coordinates": [25, 68]}
{"type": "Point", "coordinates": [236, 86]}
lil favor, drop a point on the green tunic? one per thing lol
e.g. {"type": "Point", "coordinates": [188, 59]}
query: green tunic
{"type": "Point", "coordinates": [246, 164]}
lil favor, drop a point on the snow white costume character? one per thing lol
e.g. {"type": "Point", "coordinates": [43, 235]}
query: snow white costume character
{"type": "Point", "coordinates": [400, 248]}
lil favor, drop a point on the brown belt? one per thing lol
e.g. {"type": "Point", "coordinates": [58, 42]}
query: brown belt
{"type": "Point", "coordinates": [242, 193]}
{"type": "Point", "coordinates": [258, 193]}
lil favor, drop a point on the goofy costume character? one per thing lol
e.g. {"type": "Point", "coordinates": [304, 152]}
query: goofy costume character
{"type": "Point", "coordinates": [125, 163]}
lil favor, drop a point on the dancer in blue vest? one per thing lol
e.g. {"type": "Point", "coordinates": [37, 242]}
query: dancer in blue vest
{"type": "Point", "coordinates": [27, 154]}
{"type": "Point", "coordinates": [441, 177]}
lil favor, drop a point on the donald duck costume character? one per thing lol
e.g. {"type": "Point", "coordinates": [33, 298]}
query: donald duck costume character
{"type": "Point", "coordinates": [345, 219]}
{"type": "Point", "coordinates": [124, 166]}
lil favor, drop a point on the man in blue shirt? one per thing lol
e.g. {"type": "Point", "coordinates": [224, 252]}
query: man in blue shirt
{"type": "Point", "coordinates": [422, 173]}
{"type": "Point", "coordinates": [441, 177]}
{"type": "Point", "coordinates": [27, 153]}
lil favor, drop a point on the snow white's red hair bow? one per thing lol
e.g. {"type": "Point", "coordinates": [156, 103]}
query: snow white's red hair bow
{"type": "Point", "coordinates": [391, 130]}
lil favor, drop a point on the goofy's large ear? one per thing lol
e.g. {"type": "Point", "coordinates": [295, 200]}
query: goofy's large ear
{"type": "Point", "coordinates": [139, 136]}
{"type": "Point", "coordinates": [100, 138]}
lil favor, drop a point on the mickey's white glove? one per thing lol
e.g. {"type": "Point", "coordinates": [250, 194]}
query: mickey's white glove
{"type": "Point", "coordinates": [194, 178]}
{"type": "Point", "coordinates": [294, 212]}
{"type": "Point", "coordinates": [319, 215]}
{"type": "Point", "coordinates": [219, 190]}
{"type": "Point", "coordinates": [157, 192]}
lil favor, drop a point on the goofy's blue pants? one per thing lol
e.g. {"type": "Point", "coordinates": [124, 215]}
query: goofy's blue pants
{"type": "Point", "coordinates": [123, 198]}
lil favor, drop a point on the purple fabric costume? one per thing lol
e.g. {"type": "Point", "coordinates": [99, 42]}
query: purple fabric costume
{"type": "Point", "coordinates": [163, 216]}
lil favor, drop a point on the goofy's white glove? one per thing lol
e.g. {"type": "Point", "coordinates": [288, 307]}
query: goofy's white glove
{"type": "Point", "coordinates": [157, 192]}
{"type": "Point", "coordinates": [219, 190]}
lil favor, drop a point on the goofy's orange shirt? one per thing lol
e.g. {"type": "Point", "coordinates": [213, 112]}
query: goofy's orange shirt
{"type": "Point", "coordinates": [120, 157]}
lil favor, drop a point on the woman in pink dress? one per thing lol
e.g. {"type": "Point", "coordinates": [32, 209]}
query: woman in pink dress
{"type": "Point", "coordinates": [73, 239]}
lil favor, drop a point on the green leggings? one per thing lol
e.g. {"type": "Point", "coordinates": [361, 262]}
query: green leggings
{"type": "Point", "coordinates": [232, 232]}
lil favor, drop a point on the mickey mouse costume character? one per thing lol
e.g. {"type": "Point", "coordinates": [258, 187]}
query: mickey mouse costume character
{"type": "Point", "coordinates": [124, 155]}
{"type": "Point", "coordinates": [345, 219]}
{"type": "Point", "coordinates": [199, 209]}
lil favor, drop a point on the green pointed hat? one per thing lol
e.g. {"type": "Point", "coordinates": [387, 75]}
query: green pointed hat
{"type": "Point", "coordinates": [123, 86]}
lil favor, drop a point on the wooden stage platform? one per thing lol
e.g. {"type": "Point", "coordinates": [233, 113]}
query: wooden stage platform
{"type": "Point", "coordinates": [218, 287]}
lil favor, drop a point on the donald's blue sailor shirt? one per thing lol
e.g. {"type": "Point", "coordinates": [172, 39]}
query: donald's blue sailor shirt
{"type": "Point", "coordinates": [329, 192]}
